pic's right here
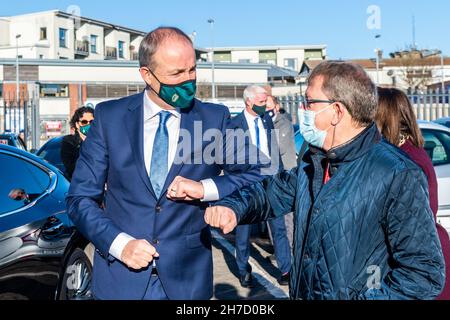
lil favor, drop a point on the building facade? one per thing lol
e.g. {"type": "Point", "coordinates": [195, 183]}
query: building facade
{"type": "Point", "coordinates": [290, 57]}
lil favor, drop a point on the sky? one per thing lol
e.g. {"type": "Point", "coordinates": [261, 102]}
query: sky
{"type": "Point", "coordinates": [348, 27]}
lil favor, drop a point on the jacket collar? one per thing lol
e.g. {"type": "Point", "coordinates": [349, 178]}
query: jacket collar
{"type": "Point", "coordinates": [353, 149]}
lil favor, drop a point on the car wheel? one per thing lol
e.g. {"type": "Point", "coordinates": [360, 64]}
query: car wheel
{"type": "Point", "coordinates": [77, 280]}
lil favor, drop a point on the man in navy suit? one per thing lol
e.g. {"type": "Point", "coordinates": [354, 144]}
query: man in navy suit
{"type": "Point", "coordinates": [259, 125]}
{"type": "Point", "coordinates": [148, 228]}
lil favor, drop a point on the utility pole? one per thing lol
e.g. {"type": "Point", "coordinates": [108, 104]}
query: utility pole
{"type": "Point", "coordinates": [17, 84]}
{"type": "Point", "coordinates": [213, 84]}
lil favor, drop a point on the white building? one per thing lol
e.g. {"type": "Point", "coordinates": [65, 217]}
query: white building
{"type": "Point", "coordinates": [60, 35]}
{"type": "Point", "coordinates": [61, 86]}
{"type": "Point", "coordinates": [291, 57]}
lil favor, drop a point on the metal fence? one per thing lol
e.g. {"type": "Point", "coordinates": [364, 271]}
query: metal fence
{"type": "Point", "coordinates": [21, 116]}
{"type": "Point", "coordinates": [428, 106]}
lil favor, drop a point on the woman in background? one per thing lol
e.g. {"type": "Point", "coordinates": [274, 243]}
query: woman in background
{"type": "Point", "coordinates": [397, 123]}
{"type": "Point", "coordinates": [70, 146]}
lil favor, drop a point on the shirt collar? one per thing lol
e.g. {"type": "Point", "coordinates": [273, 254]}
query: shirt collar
{"type": "Point", "coordinates": [250, 117]}
{"type": "Point", "coordinates": [151, 109]}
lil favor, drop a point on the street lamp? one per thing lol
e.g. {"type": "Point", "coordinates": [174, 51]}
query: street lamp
{"type": "Point", "coordinates": [17, 66]}
{"type": "Point", "coordinates": [17, 84]}
{"type": "Point", "coordinates": [377, 52]}
{"type": "Point", "coordinates": [443, 72]}
{"type": "Point", "coordinates": [213, 84]}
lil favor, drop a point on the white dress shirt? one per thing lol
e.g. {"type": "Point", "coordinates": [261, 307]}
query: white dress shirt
{"type": "Point", "coordinates": [264, 146]}
{"type": "Point", "coordinates": [151, 124]}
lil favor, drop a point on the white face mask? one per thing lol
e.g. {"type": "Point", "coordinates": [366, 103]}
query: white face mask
{"type": "Point", "coordinates": [308, 129]}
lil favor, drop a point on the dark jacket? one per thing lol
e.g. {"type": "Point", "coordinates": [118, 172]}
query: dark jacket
{"type": "Point", "coordinates": [420, 156]}
{"type": "Point", "coordinates": [286, 140]}
{"type": "Point", "coordinates": [70, 151]}
{"type": "Point", "coordinates": [368, 233]}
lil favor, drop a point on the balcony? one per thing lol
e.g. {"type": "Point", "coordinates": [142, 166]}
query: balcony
{"type": "Point", "coordinates": [82, 48]}
{"type": "Point", "coordinates": [111, 53]}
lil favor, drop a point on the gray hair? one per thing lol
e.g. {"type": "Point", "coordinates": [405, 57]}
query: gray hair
{"type": "Point", "coordinates": [154, 39]}
{"type": "Point", "coordinates": [252, 91]}
{"type": "Point", "coordinates": [349, 84]}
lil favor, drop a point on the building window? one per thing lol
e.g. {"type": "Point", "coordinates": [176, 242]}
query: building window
{"type": "Point", "coordinates": [269, 57]}
{"type": "Point", "coordinates": [43, 34]}
{"type": "Point", "coordinates": [94, 43]}
{"type": "Point", "coordinates": [224, 56]}
{"type": "Point", "coordinates": [121, 49]}
{"type": "Point", "coordinates": [62, 38]}
{"type": "Point", "coordinates": [54, 90]}
{"type": "Point", "coordinates": [311, 54]}
{"type": "Point", "coordinates": [290, 63]}
{"type": "Point", "coordinates": [245, 61]}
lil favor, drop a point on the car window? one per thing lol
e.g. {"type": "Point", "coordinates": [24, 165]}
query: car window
{"type": "Point", "coordinates": [21, 182]}
{"type": "Point", "coordinates": [52, 154]}
{"type": "Point", "coordinates": [437, 145]}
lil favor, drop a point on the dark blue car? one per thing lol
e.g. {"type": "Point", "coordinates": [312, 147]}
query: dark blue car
{"type": "Point", "coordinates": [42, 255]}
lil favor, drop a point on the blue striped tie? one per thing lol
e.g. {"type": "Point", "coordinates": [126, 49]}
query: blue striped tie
{"type": "Point", "coordinates": [159, 164]}
{"type": "Point", "coordinates": [258, 143]}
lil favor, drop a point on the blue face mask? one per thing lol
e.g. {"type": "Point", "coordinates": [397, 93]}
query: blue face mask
{"type": "Point", "coordinates": [308, 129]}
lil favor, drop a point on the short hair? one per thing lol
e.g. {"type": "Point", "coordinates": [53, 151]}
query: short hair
{"type": "Point", "coordinates": [153, 40]}
{"type": "Point", "coordinates": [78, 114]}
{"type": "Point", "coordinates": [349, 84]}
{"type": "Point", "coordinates": [251, 91]}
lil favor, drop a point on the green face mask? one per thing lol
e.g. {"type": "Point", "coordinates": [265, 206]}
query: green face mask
{"type": "Point", "coordinates": [85, 129]}
{"type": "Point", "coordinates": [179, 95]}
{"type": "Point", "coordinates": [259, 110]}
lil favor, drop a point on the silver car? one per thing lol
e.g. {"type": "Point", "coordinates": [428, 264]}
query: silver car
{"type": "Point", "coordinates": [437, 145]}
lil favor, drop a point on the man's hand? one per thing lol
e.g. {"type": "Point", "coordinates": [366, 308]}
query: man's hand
{"type": "Point", "coordinates": [138, 254]}
{"type": "Point", "coordinates": [221, 217]}
{"type": "Point", "coordinates": [182, 189]}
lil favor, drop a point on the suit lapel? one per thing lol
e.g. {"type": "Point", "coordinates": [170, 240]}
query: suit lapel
{"type": "Point", "coordinates": [135, 128]}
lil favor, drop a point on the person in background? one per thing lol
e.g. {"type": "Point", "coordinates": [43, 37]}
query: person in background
{"type": "Point", "coordinates": [259, 125]}
{"type": "Point", "coordinates": [282, 122]}
{"type": "Point", "coordinates": [80, 123]}
{"type": "Point", "coordinates": [397, 122]}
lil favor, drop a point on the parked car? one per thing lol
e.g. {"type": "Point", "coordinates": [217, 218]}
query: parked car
{"type": "Point", "coordinates": [437, 145]}
{"type": "Point", "coordinates": [12, 139]}
{"type": "Point", "coordinates": [51, 152]}
{"type": "Point", "coordinates": [42, 255]}
{"type": "Point", "coordinates": [443, 121]}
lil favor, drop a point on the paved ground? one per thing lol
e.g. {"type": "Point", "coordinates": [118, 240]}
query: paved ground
{"type": "Point", "coordinates": [265, 273]}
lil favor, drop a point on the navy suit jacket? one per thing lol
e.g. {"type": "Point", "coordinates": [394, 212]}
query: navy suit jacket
{"type": "Point", "coordinates": [240, 122]}
{"type": "Point", "coordinates": [113, 153]}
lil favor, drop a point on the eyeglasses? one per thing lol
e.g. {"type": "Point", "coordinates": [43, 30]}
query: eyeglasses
{"type": "Point", "coordinates": [85, 122]}
{"type": "Point", "coordinates": [306, 103]}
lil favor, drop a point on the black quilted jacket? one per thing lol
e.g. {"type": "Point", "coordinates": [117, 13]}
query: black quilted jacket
{"type": "Point", "coordinates": [368, 233]}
